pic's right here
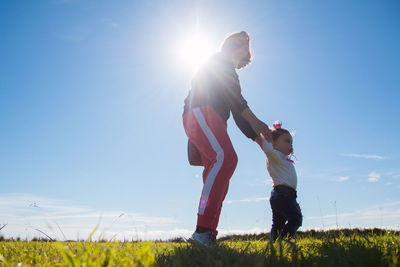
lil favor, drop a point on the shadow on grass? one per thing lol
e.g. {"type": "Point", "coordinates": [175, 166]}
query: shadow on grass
{"type": "Point", "coordinates": [342, 252]}
{"type": "Point", "coordinates": [314, 234]}
{"type": "Point", "coordinates": [221, 255]}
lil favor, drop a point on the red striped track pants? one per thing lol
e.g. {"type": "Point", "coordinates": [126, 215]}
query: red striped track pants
{"type": "Point", "coordinates": [208, 132]}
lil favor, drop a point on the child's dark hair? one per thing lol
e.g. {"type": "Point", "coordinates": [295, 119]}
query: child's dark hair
{"type": "Point", "coordinates": [277, 130]}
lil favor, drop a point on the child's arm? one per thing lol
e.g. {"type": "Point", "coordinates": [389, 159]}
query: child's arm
{"type": "Point", "coordinates": [268, 149]}
{"type": "Point", "coordinates": [259, 141]}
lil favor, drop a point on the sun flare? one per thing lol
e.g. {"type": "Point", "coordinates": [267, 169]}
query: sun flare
{"type": "Point", "coordinates": [195, 50]}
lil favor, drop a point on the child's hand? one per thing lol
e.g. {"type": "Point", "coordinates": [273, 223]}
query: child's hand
{"type": "Point", "coordinates": [259, 140]}
{"type": "Point", "coordinates": [261, 128]}
{"type": "Point", "coordinates": [262, 137]}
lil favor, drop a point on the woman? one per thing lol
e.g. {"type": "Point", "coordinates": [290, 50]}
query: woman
{"type": "Point", "coordinates": [214, 94]}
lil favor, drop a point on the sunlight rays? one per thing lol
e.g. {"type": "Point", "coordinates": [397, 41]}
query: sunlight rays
{"type": "Point", "coordinates": [195, 50]}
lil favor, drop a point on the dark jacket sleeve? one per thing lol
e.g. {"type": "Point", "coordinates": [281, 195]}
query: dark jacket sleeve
{"type": "Point", "coordinates": [233, 92]}
{"type": "Point", "coordinates": [237, 103]}
{"type": "Point", "coordinates": [244, 126]}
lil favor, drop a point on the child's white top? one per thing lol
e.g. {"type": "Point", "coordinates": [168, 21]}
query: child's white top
{"type": "Point", "coordinates": [279, 167]}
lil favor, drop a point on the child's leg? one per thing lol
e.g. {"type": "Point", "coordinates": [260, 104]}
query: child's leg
{"type": "Point", "coordinates": [278, 217]}
{"type": "Point", "coordinates": [293, 216]}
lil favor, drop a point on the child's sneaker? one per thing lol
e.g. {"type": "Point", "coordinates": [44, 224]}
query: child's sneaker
{"type": "Point", "coordinates": [206, 239]}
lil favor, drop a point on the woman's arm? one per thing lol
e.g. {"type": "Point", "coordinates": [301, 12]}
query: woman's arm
{"type": "Point", "coordinates": [258, 126]}
{"type": "Point", "coordinates": [244, 126]}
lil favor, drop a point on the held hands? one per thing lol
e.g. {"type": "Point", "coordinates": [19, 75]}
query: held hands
{"type": "Point", "coordinates": [262, 130]}
{"type": "Point", "coordinates": [258, 126]}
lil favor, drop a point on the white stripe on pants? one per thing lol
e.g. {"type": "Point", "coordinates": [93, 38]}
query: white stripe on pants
{"type": "Point", "coordinates": [217, 165]}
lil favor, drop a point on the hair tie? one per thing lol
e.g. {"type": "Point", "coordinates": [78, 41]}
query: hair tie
{"type": "Point", "coordinates": [277, 125]}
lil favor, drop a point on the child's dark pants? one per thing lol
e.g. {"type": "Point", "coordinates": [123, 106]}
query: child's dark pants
{"type": "Point", "coordinates": [286, 213]}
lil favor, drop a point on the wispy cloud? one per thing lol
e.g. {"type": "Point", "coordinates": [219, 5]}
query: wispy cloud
{"type": "Point", "coordinates": [328, 173]}
{"type": "Point", "coordinates": [250, 199]}
{"type": "Point", "coordinates": [365, 156]}
{"type": "Point", "coordinates": [342, 178]}
{"type": "Point", "coordinates": [393, 173]}
{"type": "Point", "coordinates": [374, 177]}
{"type": "Point", "coordinates": [378, 215]}
{"type": "Point", "coordinates": [23, 213]}
{"type": "Point", "coordinates": [386, 205]}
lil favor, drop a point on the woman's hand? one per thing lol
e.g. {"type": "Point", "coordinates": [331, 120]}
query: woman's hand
{"type": "Point", "coordinates": [262, 129]}
{"type": "Point", "coordinates": [258, 126]}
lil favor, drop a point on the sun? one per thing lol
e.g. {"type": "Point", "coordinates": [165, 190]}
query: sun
{"type": "Point", "coordinates": [195, 50]}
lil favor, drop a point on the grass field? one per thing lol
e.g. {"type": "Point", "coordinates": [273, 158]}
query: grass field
{"type": "Point", "coordinates": [333, 248]}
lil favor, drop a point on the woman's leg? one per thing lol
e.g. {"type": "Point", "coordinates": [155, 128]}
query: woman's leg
{"type": "Point", "coordinates": [216, 220]}
{"type": "Point", "coordinates": [207, 131]}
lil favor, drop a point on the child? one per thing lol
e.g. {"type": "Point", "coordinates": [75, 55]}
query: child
{"type": "Point", "coordinates": [286, 213]}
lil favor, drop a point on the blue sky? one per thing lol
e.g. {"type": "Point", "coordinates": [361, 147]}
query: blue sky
{"type": "Point", "coordinates": [91, 97]}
